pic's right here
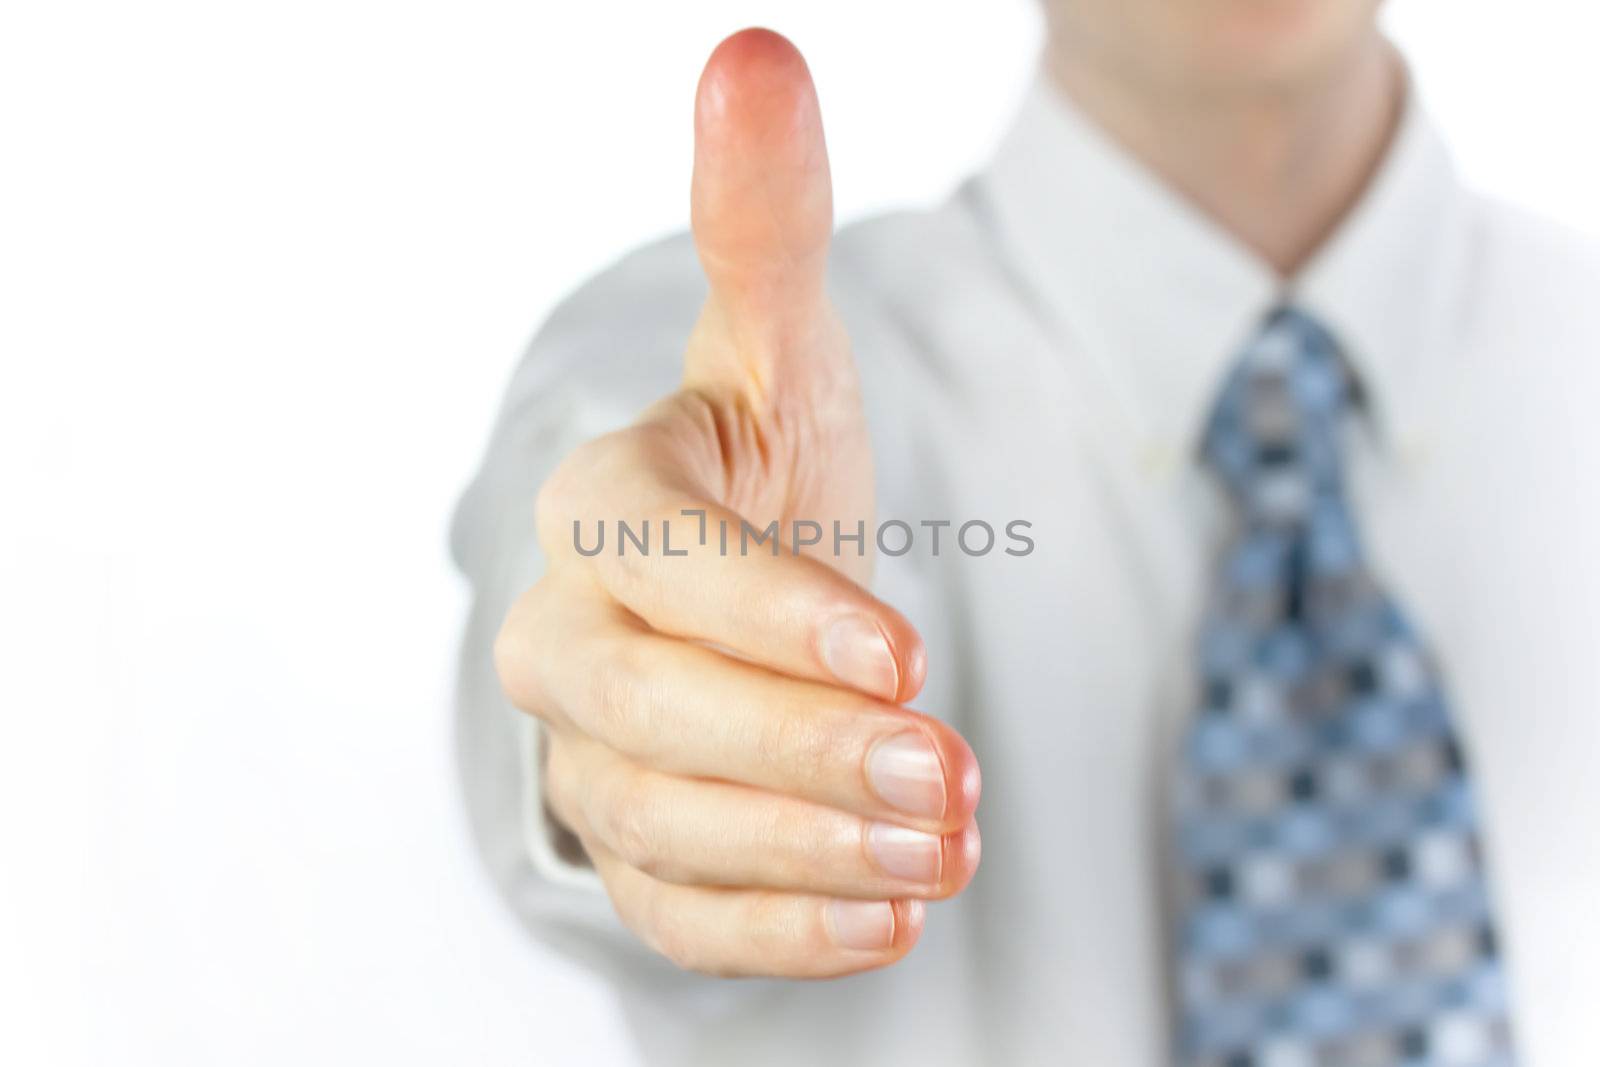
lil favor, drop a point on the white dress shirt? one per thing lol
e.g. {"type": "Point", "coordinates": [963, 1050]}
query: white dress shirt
{"type": "Point", "coordinates": [1045, 347]}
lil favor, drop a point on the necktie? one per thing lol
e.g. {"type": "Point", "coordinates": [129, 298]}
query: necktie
{"type": "Point", "coordinates": [1329, 901]}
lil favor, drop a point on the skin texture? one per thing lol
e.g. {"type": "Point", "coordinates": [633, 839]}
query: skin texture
{"type": "Point", "coordinates": [1269, 115]}
{"type": "Point", "coordinates": [719, 727]}
{"type": "Point", "coordinates": [727, 735]}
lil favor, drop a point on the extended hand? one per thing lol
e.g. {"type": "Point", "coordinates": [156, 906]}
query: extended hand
{"type": "Point", "coordinates": [724, 734]}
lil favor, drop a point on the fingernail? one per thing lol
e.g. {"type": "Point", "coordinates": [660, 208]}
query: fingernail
{"type": "Point", "coordinates": [903, 853]}
{"type": "Point", "coordinates": [858, 654]}
{"type": "Point", "coordinates": [906, 773]}
{"type": "Point", "coordinates": [862, 924]}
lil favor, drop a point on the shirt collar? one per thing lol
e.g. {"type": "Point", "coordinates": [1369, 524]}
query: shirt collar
{"type": "Point", "coordinates": [1161, 299]}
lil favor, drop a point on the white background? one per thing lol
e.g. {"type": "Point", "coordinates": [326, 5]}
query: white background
{"type": "Point", "coordinates": [263, 272]}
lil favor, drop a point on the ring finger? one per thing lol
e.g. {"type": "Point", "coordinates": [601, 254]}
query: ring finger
{"type": "Point", "coordinates": [701, 832]}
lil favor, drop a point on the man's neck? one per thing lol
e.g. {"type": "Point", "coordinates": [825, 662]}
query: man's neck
{"type": "Point", "coordinates": [1278, 168]}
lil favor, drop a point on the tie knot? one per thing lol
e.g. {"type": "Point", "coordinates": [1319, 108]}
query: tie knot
{"type": "Point", "coordinates": [1273, 436]}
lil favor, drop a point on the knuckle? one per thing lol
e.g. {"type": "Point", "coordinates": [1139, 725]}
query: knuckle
{"type": "Point", "coordinates": [560, 496]}
{"type": "Point", "coordinates": [562, 785]}
{"type": "Point", "coordinates": [677, 946]}
{"type": "Point", "coordinates": [801, 748]}
{"type": "Point", "coordinates": [569, 493]}
{"type": "Point", "coordinates": [555, 506]}
{"type": "Point", "coordinates": [518, 654]}
{"type": "Point", "coordinates": [633, 825]}
{"type": "Point", "coordinates": [775, 929]}
{"type": "Point", "coordinates": [679, 949]}
{"type": "Point", "coordinates": [798, 850]}
{"type": "Point", "coordinates": [622, 691]}
{"type": "Point", "coordinates": [550, 503]}
{"type": "Point", "coordinates": [669, 932]}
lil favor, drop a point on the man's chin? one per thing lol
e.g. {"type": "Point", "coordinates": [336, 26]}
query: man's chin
{"type": "Point", "coordinates": [1221, 47]}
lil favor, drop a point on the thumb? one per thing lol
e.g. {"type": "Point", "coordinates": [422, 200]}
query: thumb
{"type": "Point", "coordinates": [761, 200]}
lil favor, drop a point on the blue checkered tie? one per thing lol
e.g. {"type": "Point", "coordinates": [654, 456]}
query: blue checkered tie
{"type": "Point", "coordinates": [1330, 906]}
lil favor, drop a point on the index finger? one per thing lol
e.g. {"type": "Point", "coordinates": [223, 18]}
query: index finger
{"type": "Point", "coordinates": [582, 663]}
{"type": "Point", "coordinates": [694, 569]}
